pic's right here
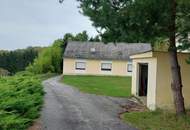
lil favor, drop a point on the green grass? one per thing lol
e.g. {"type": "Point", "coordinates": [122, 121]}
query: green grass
{"type": "Point", "coordinates": [101, 85]}
{"type": "Point", "coordinates": [21, 97]}
{"type": "Point", "coordinates": [157, 120]}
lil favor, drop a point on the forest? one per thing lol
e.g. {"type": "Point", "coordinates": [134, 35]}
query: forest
{"type": "Point", "coordinates": [16, 60]}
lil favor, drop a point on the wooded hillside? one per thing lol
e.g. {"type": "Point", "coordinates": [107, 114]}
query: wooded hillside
{"type": "Point", "coordinates": [17, 60]}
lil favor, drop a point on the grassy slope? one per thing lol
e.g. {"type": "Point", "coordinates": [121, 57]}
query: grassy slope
{"type": "Point", "coordinates": [157, 120]}
{"type": "Point", "coordinates": [21, 97]}
{"type": "Point", "coordinates": [101, 85]}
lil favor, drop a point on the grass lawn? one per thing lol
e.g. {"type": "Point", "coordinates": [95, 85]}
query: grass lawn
{"type": "Point", "coordinates": [157, 120]}
{"type": "Point", "coordinates": [101, 85]}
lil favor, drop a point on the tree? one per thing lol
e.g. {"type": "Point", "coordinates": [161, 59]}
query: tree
{"type": "Point", "coordinates": [144, 21]}
{"type": "Point", "coordinates": [68, 37]}
{"type": "Point", "coordinates": [17, 60]}
{"type": "Point", "coordinates": [95, 39]}
{"type": "Point", "coordinates": [176, 84]}
{"type": "Point", "coordinates": [81, 36]}
{"type": "Point", "coordinates": [49, 59]}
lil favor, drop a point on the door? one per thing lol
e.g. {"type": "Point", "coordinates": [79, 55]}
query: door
{"type": "Point", "coordinates": [143, 79]}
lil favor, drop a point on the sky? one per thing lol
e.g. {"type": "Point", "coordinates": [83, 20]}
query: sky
{"type": "Point", "coordinates": [25, 23]}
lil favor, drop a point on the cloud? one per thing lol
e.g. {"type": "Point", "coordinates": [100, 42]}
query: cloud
{"type": "Point", "coordinates": [39, 22]}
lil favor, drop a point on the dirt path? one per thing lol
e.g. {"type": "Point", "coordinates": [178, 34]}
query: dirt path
{"type": "Point", "coordinates": [66, 108]}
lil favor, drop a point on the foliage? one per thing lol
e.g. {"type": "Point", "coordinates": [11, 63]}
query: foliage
{"type": "Point", "coordinates": [17, 60]}
{"type": "Point", "coordinates": [20, 101]}
{"type": "Point", "coordinates": [83, 36]}
{"type": "Point", "coordinates": [183, 23]}
{"type": "Point", "coordinates": [188, 60]}
{"type": "Point", "coordinates": [136, 21]}
{"type": "Point", "coordinates": [161, 45]}
{"type": "Point", "coordinates": [95, 39]}
{"type": "Point", "coordinates": [157, 120]}
{"type": "Point", "coordinates": [50, 59]}
{"type": "Point", "coordinates": [116, 87]}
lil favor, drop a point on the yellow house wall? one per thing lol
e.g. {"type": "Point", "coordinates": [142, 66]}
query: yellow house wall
{"type": "Point", "coordinates": [93, 67]}
{"type": "Point", "coordinates": [68, 66]}
{"type": "Point", "coordinates": [120, 68]}
{"type": "Point", "coordinates": [164, 98]}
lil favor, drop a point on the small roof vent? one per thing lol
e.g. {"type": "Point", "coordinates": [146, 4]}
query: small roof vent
{"type": "Point", "coordinates": [92, 50]}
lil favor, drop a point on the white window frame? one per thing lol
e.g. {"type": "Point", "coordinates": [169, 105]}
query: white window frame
{"type": "Point", "coordinates": [129, 67]}
{"type": "Point", "coordinates": [80, 70]}
{"type": "Point", "coordinates": [106, 71]}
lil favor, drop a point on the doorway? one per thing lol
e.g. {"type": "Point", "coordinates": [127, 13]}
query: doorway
{"type": "Point", "coordinates": [143, 79]}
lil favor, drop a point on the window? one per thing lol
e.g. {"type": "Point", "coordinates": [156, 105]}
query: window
{"type": "Point", "coordinates": [129, 67]}
{"type": "Point", "coordinates": [106, 66]}
{"type": "Point", "coordinates": [80, 65]}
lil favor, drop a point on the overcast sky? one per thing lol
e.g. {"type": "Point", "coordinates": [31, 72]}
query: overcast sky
{"type": "Point", "coordinates": [26, 23]}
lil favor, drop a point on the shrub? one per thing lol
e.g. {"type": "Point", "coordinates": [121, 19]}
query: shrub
{"type": "Point", "coordinates": [20, 100]}
{"type": "Point", "coordinates": [49, 59]}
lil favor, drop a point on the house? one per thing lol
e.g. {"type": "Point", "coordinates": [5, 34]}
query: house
{"type": "Point", "coordinates": [151, 78]}
{"type": "Point", "coordinates": [4, 72]}
{"type": "Point", "coordinates": [95, 58]}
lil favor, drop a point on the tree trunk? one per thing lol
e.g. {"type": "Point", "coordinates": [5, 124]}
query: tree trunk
{"type": "Point", "coordinates": [176, 84]}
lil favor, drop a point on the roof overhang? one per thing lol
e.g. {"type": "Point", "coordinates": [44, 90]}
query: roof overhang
{"type": "Point", "coordinates": [148, 54]}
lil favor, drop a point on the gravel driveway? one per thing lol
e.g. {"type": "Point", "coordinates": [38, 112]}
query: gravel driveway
{"type": "Point", "coordinates": [66, 108]}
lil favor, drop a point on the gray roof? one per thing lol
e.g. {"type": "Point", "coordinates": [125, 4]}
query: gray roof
{"type": "Point", "coordinates": [110, 51]}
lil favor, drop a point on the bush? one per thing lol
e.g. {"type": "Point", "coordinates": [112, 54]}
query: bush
{"type": "Point", "coordinates": [49, 59]}
{"type": "Point", "coordinates": [20, 100]}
